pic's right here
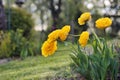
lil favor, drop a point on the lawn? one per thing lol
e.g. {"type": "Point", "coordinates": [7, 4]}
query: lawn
{"type": "Point", "coordinates": [34, 68]}
{"type": "Point", "coordinates": [39, 67]}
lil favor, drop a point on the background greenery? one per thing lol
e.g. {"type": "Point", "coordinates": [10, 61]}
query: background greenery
{"type": "Point", "coordinates": [20, 19]}
{"type": "Point", "coordinates": [19, 39]}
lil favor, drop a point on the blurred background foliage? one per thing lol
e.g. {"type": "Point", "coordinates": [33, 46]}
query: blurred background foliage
{"type": "Point", "coordinates": [30, 21]}
{"type": "Point", "coordinates": [52, 14]}
{"type": "Point", "coordinates": [20, 19]}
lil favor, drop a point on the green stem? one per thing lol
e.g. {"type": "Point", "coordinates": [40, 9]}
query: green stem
{"type": "Point", "coordinates": [96, 36]}
{"type": "Point", "coordinates": [99, 42]}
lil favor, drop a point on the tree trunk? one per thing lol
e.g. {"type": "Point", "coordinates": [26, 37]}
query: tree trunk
{"type": "Point", "coordinates": [55, 12]}
{"type": "Point", "coordinates": [2, 17]}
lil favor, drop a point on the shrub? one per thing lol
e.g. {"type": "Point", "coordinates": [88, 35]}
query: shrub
{"type": "Point", "coordinates": [20, 19]}
{"type": "Point", "coordinates": [17, 41]}
{"type": "Point", "coordinates": [5, 44]}
{"type": "Point", "coordinates": [13, 44]}
{"type": "Point", "coordinates": [20, 45]}
{"type": "Point", "coordinates": [21, 32]}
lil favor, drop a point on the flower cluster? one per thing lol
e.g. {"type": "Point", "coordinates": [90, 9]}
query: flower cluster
{"type": "Point", "coordinates": [50, 45]}
{"type": "Point", "coordinates": [99, 59]}
{"type": "Point", "coordinates": [101, 23]}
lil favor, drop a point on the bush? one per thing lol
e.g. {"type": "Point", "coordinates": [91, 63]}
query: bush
{"type": "Point", "coordinates": [17, 41]}
{"type": "Point", "coordinates": [20, 45]}
{"type": "Point", "coordinates": [21, 32]}
{"type": "Point", "coordinates": [13, 44]}
{"type": "Point", "coordinates": [5, 44]}
{"type": "Point", "coordinates": [20, 19]}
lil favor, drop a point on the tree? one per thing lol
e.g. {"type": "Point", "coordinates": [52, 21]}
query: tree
{"type": "Point", "coordinates": [48, 9]}
{"type": "Point", "coordinates": [57, 12]}
{"type": "Point", "coordinates": [55, 9]}
{"type": "Point", "coordinates": [2, 17]}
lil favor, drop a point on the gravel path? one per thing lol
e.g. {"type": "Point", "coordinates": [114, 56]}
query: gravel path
{"type": "Point", "coordinates": [5, 60]}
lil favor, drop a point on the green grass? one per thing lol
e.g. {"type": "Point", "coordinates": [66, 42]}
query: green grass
{"type": "Point", "coordinates": [39, 67]}
{"type": "Point", "coordinates": [35, 68]}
